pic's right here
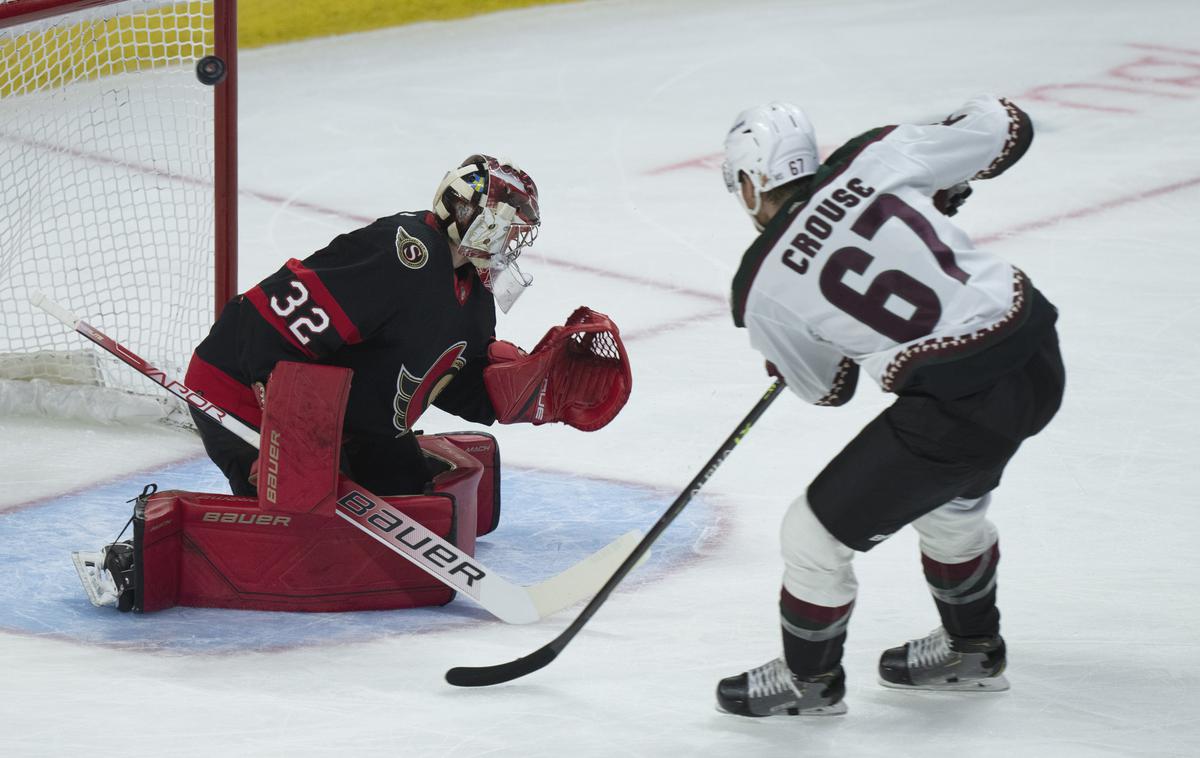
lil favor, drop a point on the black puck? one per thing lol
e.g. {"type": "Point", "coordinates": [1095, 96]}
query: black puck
{"type": "Point", "coordinates": [210, 70]}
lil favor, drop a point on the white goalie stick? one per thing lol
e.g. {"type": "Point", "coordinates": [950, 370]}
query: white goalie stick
{"type": "Point", "coordinates": [508, 601]}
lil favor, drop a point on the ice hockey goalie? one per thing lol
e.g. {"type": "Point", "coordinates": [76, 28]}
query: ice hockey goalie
{"type": "Point", "coordinates": [283, 549]}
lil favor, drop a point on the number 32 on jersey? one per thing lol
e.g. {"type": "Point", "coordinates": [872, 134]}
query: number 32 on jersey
{"type": "Point", "coordinates": [300, 319]}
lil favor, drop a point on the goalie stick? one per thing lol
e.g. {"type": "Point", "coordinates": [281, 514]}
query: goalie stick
{"type": "Point", "coordinates": [510, 602]}
{"type": "Point", "coordinates": [483, 676]}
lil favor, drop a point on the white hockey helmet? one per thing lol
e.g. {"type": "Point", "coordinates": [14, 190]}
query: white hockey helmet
{"type": "Point", "coordinates": [772, 144]}
{"type": "Point", "coordinates": [489, 208]}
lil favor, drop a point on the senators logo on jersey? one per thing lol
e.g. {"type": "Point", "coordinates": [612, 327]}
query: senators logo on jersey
{"type": "Point", "coordinates": [415, 393]}
{"type": "Point", "coordinates": [410, 250]}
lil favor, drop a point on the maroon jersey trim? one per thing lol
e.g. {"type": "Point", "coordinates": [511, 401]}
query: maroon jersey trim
{"type": "Point", "coordinates": [843, 385]}
{"type": "Point", "coordinates": [941, 349]}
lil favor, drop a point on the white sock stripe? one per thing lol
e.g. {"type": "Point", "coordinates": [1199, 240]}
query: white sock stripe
{"type": "Point", "coordinates": [951, 598]}
{"type": "Point", "coordinates": [816, 635]}
{"type": "Point", "coordinates": [966, 591]}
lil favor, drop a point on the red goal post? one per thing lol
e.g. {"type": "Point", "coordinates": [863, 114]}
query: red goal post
{"type": "Point", "coordinates": [118, 186]}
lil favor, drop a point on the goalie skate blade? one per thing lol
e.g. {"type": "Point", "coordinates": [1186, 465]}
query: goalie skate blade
{"type": "Point", "coordinates": [100, 593]}
{"type": "Point", "coordinates": [991, 684]}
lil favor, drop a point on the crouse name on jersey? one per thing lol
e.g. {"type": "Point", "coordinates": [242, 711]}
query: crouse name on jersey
{"type": "Point", "coordinates": [861, 267]}
{"type": "Point", "coordinates": [818, 225]}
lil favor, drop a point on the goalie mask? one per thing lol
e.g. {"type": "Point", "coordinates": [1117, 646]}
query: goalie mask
{"type": "Point", "coordinates": [771, 144]}
{"type": "Point", "coordinates": [489, 208]}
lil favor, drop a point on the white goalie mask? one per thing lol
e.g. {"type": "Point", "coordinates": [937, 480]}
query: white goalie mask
{"type": "Point", "coordinates": [490, 208]}
{"type": "Point", "coordinates": [772, 144]}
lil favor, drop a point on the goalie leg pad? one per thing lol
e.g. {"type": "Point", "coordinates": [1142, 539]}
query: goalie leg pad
{"type": "Point", "coordinates": [221, 551]}
{"type": "Point", "coordinates": [486, 450]}
{"type": "Point", "coordinates": [224, 551]}
{"type": "Point", "coordinates": [301, 436]}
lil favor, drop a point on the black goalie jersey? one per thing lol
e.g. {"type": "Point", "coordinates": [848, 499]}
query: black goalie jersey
{"type": "Point", "coordinates": [384, 301]}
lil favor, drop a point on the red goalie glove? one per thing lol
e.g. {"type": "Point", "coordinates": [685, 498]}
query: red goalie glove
{"type": "Point", "coordinates": [578, 374]}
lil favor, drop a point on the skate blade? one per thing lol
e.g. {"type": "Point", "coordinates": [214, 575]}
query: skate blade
{"type": "Point", "coordinates": [991, 684]}
{"type": "Point", "coordinates": [837, 709]}
{"type": "Point", "coordinates": [100, 590]}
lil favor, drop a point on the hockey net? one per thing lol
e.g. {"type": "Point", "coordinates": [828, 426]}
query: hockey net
{"type": "Point", "coordinates": [117, 195]}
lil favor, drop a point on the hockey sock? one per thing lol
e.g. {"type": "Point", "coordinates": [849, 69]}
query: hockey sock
{"type": "Point", "coordinates": [813, 635]}
{"type": "Point", "coordinates": [965, 593]}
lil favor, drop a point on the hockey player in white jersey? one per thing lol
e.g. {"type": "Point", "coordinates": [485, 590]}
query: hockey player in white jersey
{"type": "Point", "coordinates": [857, 268]}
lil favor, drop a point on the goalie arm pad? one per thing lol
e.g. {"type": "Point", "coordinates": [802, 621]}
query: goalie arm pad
{"type": "Point", "coordinates": [578, 374]}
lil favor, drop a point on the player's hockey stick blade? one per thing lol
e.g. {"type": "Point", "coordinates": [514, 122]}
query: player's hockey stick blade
{"type": "Point", "coordinates": [504, 599]}
{"type": "Point", "coordinates": [483, 676]}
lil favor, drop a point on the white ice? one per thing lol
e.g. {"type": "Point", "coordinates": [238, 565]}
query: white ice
{"type": "Point", "coordinates": [616, 108]}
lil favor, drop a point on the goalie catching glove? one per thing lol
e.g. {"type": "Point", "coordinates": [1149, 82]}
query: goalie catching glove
{"type": "Point", "coordinates": [578, 374]}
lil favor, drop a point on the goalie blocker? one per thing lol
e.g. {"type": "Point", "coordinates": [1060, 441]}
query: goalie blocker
{"type": "Point", "coordinates": [578, 375]}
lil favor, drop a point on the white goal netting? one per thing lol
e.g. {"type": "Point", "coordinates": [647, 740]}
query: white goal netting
{"type": "Point", "coordinates": [106, 192]}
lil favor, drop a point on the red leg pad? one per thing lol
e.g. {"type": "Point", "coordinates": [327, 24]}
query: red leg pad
{"type": "Point", "coordinates": [484, 448]}
{"type": "Point", "coordinates": [287, 550]}
{"type": "Point", "coordinates": [220, 551]}
{"type": "Point", "coordinates": [302, 437]}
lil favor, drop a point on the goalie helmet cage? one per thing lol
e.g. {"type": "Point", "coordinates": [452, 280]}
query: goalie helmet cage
{"type": "Point", "coordinates": [118, 179]}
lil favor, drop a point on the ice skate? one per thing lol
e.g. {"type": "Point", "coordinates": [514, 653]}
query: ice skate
{"type": "Point", "coordinates": [940, 661]}
{"type": "Point", "coordinates": [107, 575]}
{"type": "Point", "coordinates": [773, 690]}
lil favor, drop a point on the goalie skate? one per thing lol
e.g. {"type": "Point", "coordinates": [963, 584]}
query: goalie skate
{"type": "Point", "coordinates": [941, 661]}
{"type": "Point", "coordinates": [107, 575]}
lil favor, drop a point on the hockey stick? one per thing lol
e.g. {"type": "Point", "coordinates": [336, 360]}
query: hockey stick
{"type": "Point", "coordinates": [483, 676]}
{"type": "Point", "coordinates": [385, 523]}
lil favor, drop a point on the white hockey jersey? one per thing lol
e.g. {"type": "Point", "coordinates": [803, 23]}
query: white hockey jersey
{"type": "Point", "coordinates": [861, 269]}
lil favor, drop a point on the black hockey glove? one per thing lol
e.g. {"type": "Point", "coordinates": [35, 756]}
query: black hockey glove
{"type": "Point", "coordinates": [949, 200]}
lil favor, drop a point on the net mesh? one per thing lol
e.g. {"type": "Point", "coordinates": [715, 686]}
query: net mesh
{"type": "Point", "coordinates": [592, 379]}
{"type": "Point", "coordinates": [106, 186]}
{"type": "Point", "coordinates": [591, 337]}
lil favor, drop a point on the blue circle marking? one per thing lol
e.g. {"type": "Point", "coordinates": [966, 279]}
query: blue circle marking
{"type": "Point", "coordinates": [548, 521]}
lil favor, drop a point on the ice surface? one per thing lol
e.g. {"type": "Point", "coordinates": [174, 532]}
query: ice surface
{"type": "Point", "coordinates": [617, 109]}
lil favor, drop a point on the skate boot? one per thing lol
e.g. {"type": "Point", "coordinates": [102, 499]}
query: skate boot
{"type": "Point", "coordinates": [118, 562]}
{"type": "Point", "coordinates": [941, 661]}
{"type": "Point", "coordinates": [108, 575]}
{"type": "Point", "coordinates": [773, 690]}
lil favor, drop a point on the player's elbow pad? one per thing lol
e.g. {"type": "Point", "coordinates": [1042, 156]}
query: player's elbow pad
{"type": "Point", "coordinates": [578, 374]}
